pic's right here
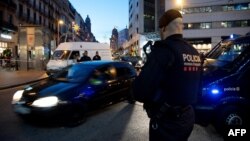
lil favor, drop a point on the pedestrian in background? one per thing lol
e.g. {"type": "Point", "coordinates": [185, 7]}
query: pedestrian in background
{"type": "Point", "coordinates": [85, 57]}
{"type": "Point", "coordinates": [97, 56]}
{"type": "Point", "coordinates": [169, 82]}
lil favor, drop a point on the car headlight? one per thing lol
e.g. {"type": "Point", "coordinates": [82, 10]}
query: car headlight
{"type": "Point", "coordinates": [17, 96]}
{"type": "Point", "coordinates": [46, 102]}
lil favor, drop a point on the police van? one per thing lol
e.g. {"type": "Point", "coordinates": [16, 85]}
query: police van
{"type": "Point", "coordinates": [66, 54]}
{"type": "Point", "coordinates": [225, 94]}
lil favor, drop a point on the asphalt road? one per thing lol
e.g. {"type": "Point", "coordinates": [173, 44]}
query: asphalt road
{"type": "Point", "coordinates": [118, 122]}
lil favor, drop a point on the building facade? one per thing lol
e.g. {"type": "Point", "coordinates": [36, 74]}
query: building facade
{"type": "Point", "coordinates": [58, 18]}
{"type": "Point", "coordinates": [143, 18]}
{"type": "Point", "coordinates": [123, 37]}
{"type": "Point", "coordinates": [114, 40]}
{"type": "Point", "coordinates": [206, 22]}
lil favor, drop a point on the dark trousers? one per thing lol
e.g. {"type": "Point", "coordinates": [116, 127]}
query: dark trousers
{"type": "Point", "coordinates": [170, 128]}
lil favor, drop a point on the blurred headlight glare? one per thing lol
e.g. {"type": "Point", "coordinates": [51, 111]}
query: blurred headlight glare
{"type": "Point", "coordinates": [46, 102]}
{"type": "Point", "coordinates": [17, 96]}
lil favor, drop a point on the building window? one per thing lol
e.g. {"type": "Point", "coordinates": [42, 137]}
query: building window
{"type": "Point", "coordinates": [44, 22]}
{"type": "Point", "coordinates": [34, 3]}
{"type": "Point", "coordinates": [40, 6]}
{"type": "Point", "coordinates": [130, 26]}
{"type": "Point", "coordinates": [205, 25]}
{"type": "Point", "coordinates": [224, 8]}
{"type": "Point", "coordinates": [149, 13]}
{"type": "Point", "coordinates": [28, 13]}
{"type": "Point", "coordinates": [208, 9]}
{"type": "Point", "coordinates": [217, 8]}
{"type": "Point", "coordinates": [230, 8]}
{"type": "Point", "coordinates": [40, 20]}
{"type": "Point", "coordinates": [20, 9]}
{"type": "Point", "coordinates": [245, 23]}
{"type": "Point", "coordinates": [224, 24]}
{"type": "Point", "coordinates": [10, 19]}
{"type": "Point", "coordinates": [214, 25]}
{"type": "Point", "coordinates": [1, 16]}
{"type": "Point", "coordinates": [229, 24]}
{"type": "Point", "coordinates": [34, 17]}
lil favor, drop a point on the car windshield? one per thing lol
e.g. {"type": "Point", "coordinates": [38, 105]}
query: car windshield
{"type": "Point", "coordinates": [61, 54]}
{"type": "Point", "coordinates": [227, 51]}
{"type": "Point", "coordinates": [74, 73]}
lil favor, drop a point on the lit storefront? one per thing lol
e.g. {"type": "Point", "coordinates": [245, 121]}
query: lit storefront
{"type": "Point", "coordinates": [7, 41]}
{"type": "Point", "coordinates": [202, 45]}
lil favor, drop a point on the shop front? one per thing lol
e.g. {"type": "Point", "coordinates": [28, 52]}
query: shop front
{"type": "Point", "coordinates": [202, 45]}
{"type": "Point", "coordinates": [7, 47]}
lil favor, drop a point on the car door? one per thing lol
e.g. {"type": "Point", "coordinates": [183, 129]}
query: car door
{"type": "Point", "coordinates": [125, 76]}
{"type": "Point", "coordinates": [105, 83]}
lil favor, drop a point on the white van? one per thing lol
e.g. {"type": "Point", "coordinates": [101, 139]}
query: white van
{"type": "Point", "coordinates": [65, 54]}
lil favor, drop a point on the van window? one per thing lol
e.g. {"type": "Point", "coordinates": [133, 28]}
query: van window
{"type": "Point", "coordinates": [74, 55]}
{"type": "Point", "coordinates": [61, 54]}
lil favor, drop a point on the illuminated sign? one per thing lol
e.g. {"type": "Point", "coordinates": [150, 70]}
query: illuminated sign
{"type": "Point", "coordinates": [5, 36]}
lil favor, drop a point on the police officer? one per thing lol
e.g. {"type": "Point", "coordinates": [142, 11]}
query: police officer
{"type": "Point", "coordinates": [85, 57]}
{"type": "Point", "coordinates": [169, 82]}
{"type": "Point", "coordinates": [97, 56]}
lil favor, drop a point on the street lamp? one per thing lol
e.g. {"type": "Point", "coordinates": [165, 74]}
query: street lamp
{"type": "Point", "coordinates": [180, 3]}
{"type": "Point", "coordinates": [60, 22]}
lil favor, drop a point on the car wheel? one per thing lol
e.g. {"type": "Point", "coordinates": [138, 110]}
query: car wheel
{"type": "Point", "coordinates": [78, 116]}
{"type": "Point", "coordinates": [230, 117]}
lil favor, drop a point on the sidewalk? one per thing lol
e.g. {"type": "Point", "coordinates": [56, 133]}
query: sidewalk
{"type": "Point", "coordinates": [12, 78]}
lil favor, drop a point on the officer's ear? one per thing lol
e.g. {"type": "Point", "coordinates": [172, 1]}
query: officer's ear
{"type": "Point", "coordinates": [163, 29]}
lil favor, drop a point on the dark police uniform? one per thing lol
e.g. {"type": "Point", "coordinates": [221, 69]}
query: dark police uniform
{"type": "Point", "coordinates": [85, 58]}
{"type": "Point", "coordinates": [97, 57]}
{"type": "Point", "coordinates": [168, 85]}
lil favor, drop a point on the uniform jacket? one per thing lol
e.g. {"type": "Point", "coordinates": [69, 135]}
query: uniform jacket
{"type": "Point", "coordinates": [171, 73]}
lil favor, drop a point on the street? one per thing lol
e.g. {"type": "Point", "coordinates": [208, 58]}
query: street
{"type": "Point", "coordinates": [119, 122]}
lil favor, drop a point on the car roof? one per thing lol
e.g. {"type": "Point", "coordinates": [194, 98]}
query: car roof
{"type": "Point", "coordinates": [100, 63]}
{"type": "Point", "coordinates": [238, 39]}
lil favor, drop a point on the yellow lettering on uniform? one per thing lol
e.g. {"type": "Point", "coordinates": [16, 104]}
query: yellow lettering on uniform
{"type": "Point", "coordinates": [191, 58]}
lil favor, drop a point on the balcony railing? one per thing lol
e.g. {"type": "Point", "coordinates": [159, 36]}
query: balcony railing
{"type": "Point", "coordinates": [8, 26]}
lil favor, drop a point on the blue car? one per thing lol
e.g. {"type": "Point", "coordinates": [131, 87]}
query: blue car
{"type": "Point", "coordinates": [225, 89]}
{"type": "Point", "coordinates": [76, 90]}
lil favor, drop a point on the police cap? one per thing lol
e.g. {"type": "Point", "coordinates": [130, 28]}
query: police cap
{"type": "Point", "coordinates": [168, 17]}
